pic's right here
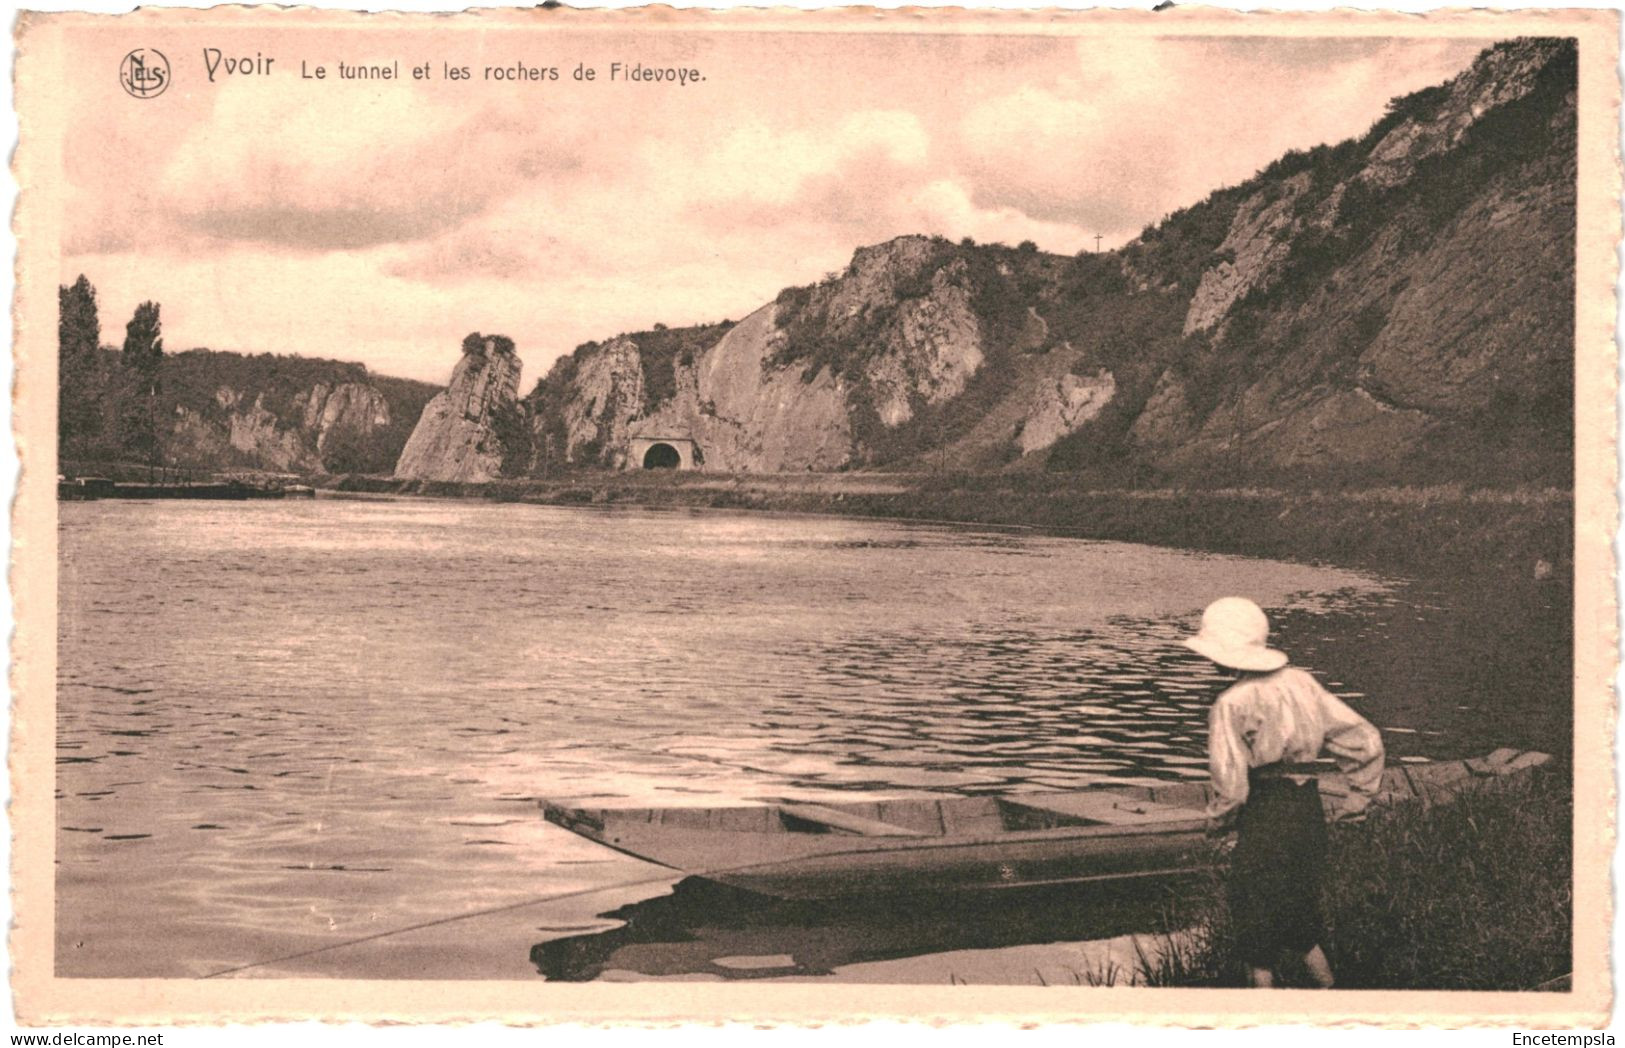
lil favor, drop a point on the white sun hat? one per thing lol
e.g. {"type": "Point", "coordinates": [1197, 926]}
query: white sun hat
{"type": "Point", "coordinates": [1233, 634]}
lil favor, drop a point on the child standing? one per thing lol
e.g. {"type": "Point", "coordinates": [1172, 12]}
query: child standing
{"type": "Point", "coordinates": [1261, 732]}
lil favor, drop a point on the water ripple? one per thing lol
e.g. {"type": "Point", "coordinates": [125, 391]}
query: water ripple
{"type": "Point", "coordinates": [331, 696]}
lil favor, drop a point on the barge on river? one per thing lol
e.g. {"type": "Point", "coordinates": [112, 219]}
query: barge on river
{"type": "Point", "coordinates": [85, 489]}
{"type": "Point", "coordinates": [814, 851]}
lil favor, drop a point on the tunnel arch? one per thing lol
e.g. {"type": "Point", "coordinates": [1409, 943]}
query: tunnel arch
{"type": "Point", "coordinates": [662, 456]}
{"type": "Point", "coordinates": [661, 451]}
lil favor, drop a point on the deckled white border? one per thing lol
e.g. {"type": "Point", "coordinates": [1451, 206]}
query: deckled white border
{"type": "Point", "coordinates": [485, 1032]}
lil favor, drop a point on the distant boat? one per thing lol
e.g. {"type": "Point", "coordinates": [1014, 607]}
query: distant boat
{"type": "Point", "coordinates": [229, 490]}
{"type": "Point", "coordinates": [814, 851]}
{"type": "Point", "coordinates": [85, 488]}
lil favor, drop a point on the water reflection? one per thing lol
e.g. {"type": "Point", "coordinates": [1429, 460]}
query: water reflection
{"type": "Point", "coordinates": [999, 710]}
{"type": "Point", "coordinates": [282, 724]}
{"type": "Point", "coordinates": [704, 928]}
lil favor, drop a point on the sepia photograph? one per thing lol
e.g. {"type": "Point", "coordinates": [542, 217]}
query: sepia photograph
{"type": "Point", "coordinates": [997, 513]}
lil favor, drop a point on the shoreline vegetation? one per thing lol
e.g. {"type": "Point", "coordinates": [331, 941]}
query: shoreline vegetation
{"type": "Point", "coordinates": [1442, 532]}
{"type": "Point", "coordinates": [1473, 895]}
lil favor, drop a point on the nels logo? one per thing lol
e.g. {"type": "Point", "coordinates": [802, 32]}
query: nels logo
{"type": "Point", "coordinates": [144, 73]}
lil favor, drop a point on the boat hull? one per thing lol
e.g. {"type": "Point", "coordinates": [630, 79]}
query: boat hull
{"type": "Point", "coordinates": [807, 851]}
{"type": "Point", "coordinates": [988, 865]}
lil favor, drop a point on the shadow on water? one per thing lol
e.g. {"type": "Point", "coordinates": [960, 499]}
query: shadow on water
{"type": "Point", "coordinates": [705, 928]}
{"type": "Point", "coordinates": [1449, 669]}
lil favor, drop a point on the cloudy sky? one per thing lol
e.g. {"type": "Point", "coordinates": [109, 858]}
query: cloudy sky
{"type": "Point", "coordinates": [382, 221]}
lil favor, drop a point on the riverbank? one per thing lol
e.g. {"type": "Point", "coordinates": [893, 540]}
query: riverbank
{"type": "Point", "coordinates": [1516, 535]}
{"type": "Point", "coordinates": [1476, 895]}
{"type": "Point", "coordinates": [1472, 896]}
{"type": "Point", "coordinates": [726, 614]}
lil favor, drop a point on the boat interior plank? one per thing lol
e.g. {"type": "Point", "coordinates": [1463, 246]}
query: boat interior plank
{"type": "Point", "coordinates": [979, 818]}
{"type": "Point", "coordinates": [845, 822]}
{"type": "Point", "coordinates": [1181, 795]}
{"type": "Point", "coordinates": [1110, 808]}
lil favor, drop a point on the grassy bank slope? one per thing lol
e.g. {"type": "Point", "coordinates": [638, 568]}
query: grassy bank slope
{"type": "Point", "coordinates": [1513, 535]}
{"type": "Point", "coordinates": [1476, 895]}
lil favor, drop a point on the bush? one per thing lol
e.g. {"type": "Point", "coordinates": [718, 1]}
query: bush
{"type": "Point", "coordinates": [663, 348]}
{"type": "Point", "coordinates": [360, 451]}
{"type": "Point", "coordinates": [513, 435]}
{"type": "Point", "coordinates": [1474, 895]}
{"type": "Point", "coordinates": [545, 404]}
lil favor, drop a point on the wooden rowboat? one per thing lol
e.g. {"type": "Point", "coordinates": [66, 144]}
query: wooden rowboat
{"type": "Point", "coordinates": [815, 851]}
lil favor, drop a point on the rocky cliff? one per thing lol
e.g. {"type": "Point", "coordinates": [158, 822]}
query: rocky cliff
{"type": "Point", "coordinates": [820, 379]}
{"type": "Point", "coordinates": [1398, 304]}
{"type": "Point", "coordinates": [1418, 297]}
{"type": "Point", "coordinates": [219, 411]}
{"type": "Point", "coordinates": [469, 431]}
{"type": "Point", "coordinates": [317, 422]}
{"type": "Point", "coordinates": [746, 413]}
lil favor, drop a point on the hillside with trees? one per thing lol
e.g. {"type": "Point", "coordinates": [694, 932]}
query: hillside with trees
{"type": "Point", "coordinates": [1398, 306]}
{"type": "Point", "coordinates": [140, 406]}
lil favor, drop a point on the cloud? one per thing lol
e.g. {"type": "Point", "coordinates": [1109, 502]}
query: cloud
{"type": "Point", "coordinates": [869, 177]}
{"type": "Point", "coordinates": [469, 253]}
{"type": "Point", "coordinates": [947, 205]}
{"type": "Point", "coordinates": [381, 222]}
{"type": "Point", "coordinates": [1136, 131]}
{"type": "Point", "coordinates": [1066, 154]}
{"type": "Point", "coordinates": [393, 166]}
{"type": "Point", "coordinates": [677, 199]}
{"type": "Point", "coordinates": [759, 166]}
{"type": "Point", "coordinates": [318, 228]}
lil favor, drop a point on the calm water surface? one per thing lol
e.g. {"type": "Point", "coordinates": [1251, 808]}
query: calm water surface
{"type": "Point", "coordinates": [286, 726]}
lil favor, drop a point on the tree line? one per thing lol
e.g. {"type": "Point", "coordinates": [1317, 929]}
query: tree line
{"type": "Point", "coordinates": [106, 404]}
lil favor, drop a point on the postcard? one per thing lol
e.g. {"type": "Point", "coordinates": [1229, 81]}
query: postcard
{"type": "Point", "coordinates": [675, 515]}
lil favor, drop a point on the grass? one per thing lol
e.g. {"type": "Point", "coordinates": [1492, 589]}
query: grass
{"type": "Point", "coordinates": [1444, 531]}
{"type": "Point", "coordinates": [1474, 895]}
{"type": "Point", "coordinates": [1427, 531]}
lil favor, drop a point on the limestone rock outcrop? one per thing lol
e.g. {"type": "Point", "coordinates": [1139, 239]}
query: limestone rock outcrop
{"type": "Point", "coordinates": [608, 396]}
{"type": "Point", "coordinates": [1065, 405]}
{"type": "Point", "coordinates": [932, 350]}
{"type": "Point", "coordinates": [256, 433]}
{"type": "Point", "coordinates": [748, 415]}
{"type": "Point", "coordinates": [345, 407]}
{"type": "Point", "coordinates": [457, 438]}
{"type": "Point", "coordinates": [238, 429]}
{"type": "Point", "coordinates": [1406, 295]}
{"type": "Point", "coordinates": [1257, 244]}
{"type": "Point", "coordinates": [1503, 74]}
{"type": "Point", "coordinates": [1165, 421]}
{"type": "Point", "coordinates": [751, 409]}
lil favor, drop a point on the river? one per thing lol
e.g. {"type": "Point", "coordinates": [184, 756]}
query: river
{"type": "Point", "coordinates": [285, 727]}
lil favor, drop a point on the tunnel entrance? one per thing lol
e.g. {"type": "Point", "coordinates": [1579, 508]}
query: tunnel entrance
{"type": "Point", "coordinates": [662, 456]}
{"type": "Point", "coordinates": [659, 450]}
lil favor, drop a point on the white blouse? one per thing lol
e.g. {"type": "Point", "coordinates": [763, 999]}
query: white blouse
{"type": "Point", "coordinates": [1287, 716]}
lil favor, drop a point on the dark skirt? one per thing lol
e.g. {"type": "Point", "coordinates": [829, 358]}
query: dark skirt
{"type": "Point", "coordinates": [1276, 869]}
